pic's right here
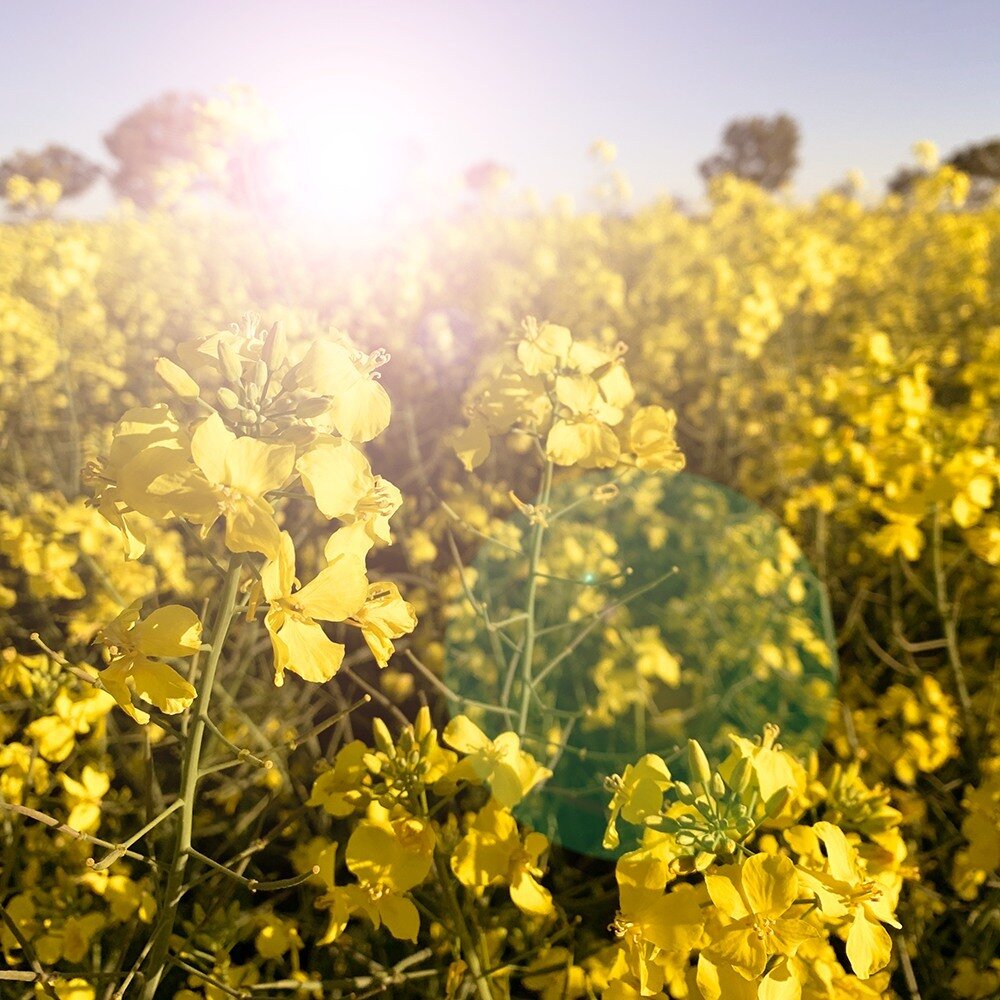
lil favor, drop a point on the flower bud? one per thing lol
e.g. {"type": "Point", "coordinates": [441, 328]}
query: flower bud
{"type": "Point", "coordinates": [232, 367]}
{"type": "Point", "coordinates": [176, 379]}
{"type": "Point", "coordinates": [310, 408]}
{"type": "Point", "coordinates": [777, 802]}
{"type": "Point", "coordinates": [742, 773]}
{"type": "Point", "coordinates": [698, 763]}
{"type": "Point", "coordinates": [684, 793]}
{"type": "Point", "coordinates": [383, 739]}
{"type": "Point", "coordinates": [275, 347]}
{"type": "Point", "coordinates": [422, 723]}
{"type": "Point", "coordinates": [228, 398]}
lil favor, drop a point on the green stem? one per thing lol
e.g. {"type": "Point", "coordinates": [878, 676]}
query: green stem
{"type": "Point", "coordinates": [528, 653]}
{"type": "Point", "coordinates": [471, 954]}
{"type": "Point", "coordinates": [189, 781]}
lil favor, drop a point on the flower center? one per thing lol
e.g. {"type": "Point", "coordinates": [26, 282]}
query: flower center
{"type": "Point", "coordinates": [229, 500]}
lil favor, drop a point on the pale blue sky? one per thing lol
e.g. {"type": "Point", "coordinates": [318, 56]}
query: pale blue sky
{"type": "Point", "coordinates": [530, 84]}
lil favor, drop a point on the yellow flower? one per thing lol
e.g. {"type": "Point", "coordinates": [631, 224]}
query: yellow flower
{"type": "Point", "coordinates": [510, 771]}
{"type": "Point", "coordinates": [722, 982]}
{"type": "Point", "coordinates": [70, 940]}
{"type": "Point", "coordinates": [388, 857]}
{"type": "Point", "coordinates": [846, 892]}
{"type": "Point", "coordinates": [149, 453]}
{"type": "Point", "coordinates": [333, 595]}
{"type": "Point", "coordinates": [774, 770]}
{"type": "Point", "coordinates": [652, 439]}
{"type": "Point", "coordinates": [66, 989]}
{"type": "Point", "coordinates": [276, 936]}
{"type": "Point", "coordinates": [638, 793]}
{"type": "Point", "coordinates": [84, 798]}
{"type": "Point", "coordinates": [359, 407]}
{"type": "Point", "coordinates": [336, 475]}
{"type": "Point", "coordinates": [392, 851]}
{"type": "Point", "coordinates": [170, 631]}
{"type": "Point", "coordinates": [583, 434]}
{"type": "Point", "coordinates": [652, 924]}
{"type": "Point", "coordinates": [340, 789]}
{"type": "Point", "coordinates": [544, 347]}
{"type": "Point", "coordinates": [493, 851]}
{"type": "Point", "coordinates": [237, 472]}
{"type": "Point", "coordinates": [756, 896]}
{"type": "Point", "coordinates": [72, 716]}
{"type": "Point", "coordinates": [384, 616]}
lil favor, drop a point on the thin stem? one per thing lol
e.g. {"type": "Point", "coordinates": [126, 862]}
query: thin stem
{"type": "Point", "coordinates": [528, 653]}
{"type": "Point", "coordinates": [471, 954]}
{"type": "Point", "coordinates": [945, 611]}
{"type": "Point", "coordinates": [189, 781]}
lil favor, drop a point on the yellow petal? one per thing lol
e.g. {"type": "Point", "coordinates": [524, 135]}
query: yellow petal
{"type": "Point", "coordinates": [769, 884]}
{"type": "Point", "coordinates": [161, 686]}
{"type": "Point", "coordinates": [868, 946]}
{"type": "Point", "coordinates": [362, 412]}
{"type": "Point", "coordinates": [528, 896]}
{"type": "Point", "coordinates": [257, 467]}
{"type": "Point", "coordinates": [209, 444]}
{"type": "Point", "coordinates": [337, 476]}
{"type": "Point", "coordinates": [115, 682]}
{"type": "Point", "coordinates": [250, 527]}
{"type": "Point", "coordinates": [401, 917]}
{"type": "Point", "coordinates": [304, 648]}
{"type": "Point", "coordinates": [169, 631]}
{"type": "Point", "coordinates": [336, 592]}
{"type": "Point", "coordinates": [464, 735]}
{"type": "Point", "coordinates": [471, 444]}
{"type": "Point", "coordinates": [723, 888]}
{"type": "Point", "coordinates": [277, 576]}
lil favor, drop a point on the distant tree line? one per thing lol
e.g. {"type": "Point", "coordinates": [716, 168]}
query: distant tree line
{"type": "Point", "coordinates": [174, 132]}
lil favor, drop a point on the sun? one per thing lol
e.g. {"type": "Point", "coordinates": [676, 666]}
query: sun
{"type": "Point", "coordinates": [347, 167]}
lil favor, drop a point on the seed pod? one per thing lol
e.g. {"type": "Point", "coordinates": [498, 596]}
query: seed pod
{"type": "Point", "coordinates": [698, 763]}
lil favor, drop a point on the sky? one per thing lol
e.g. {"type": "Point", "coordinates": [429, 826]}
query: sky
{"type": "Point", "coordinates": [526, 84]}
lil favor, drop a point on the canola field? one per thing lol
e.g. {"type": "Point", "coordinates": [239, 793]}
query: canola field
{"type": "Point", "coordinates": [548, 603]}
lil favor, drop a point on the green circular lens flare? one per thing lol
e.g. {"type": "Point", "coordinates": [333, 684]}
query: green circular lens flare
{"type": "Point", "coordinates": [665, 608]}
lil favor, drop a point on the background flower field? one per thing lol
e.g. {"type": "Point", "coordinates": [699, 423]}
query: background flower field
{"type": "Point", "coordinates": [835, 362]}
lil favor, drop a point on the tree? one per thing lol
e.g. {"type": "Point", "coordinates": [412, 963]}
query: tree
{"type": "Point", "coordinates": [73, 172]}
{"type": "Point", "coordinates": [902, 181]}
{"type": "Point", "coordinates": [184, 144]}
{"type": "Point", "coordinates": [162, 133]}
{"type": "Point", "coordinates": [762, 150]}
{"type": "Point", "coordinates": [979, 160]}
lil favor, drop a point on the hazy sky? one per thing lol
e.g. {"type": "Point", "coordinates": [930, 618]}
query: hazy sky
{"type": "Point", "coordinates": [528, 84]}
